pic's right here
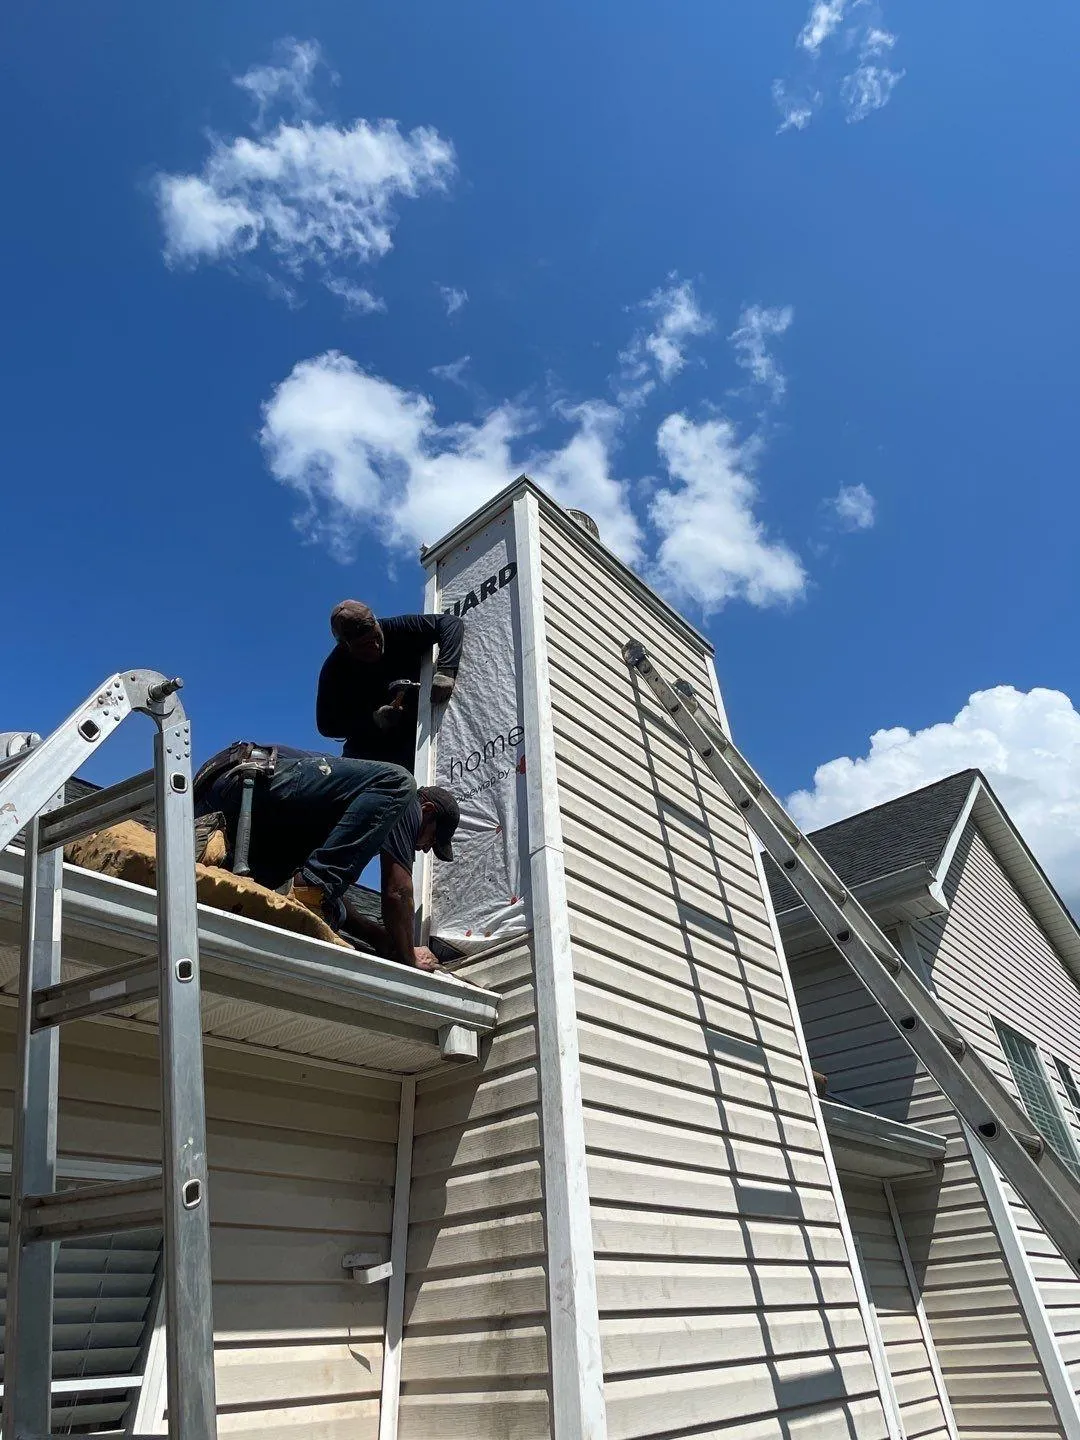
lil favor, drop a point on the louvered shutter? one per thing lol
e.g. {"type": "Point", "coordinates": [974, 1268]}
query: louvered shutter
{"type": "Point", "coordinates": [102, 1314]}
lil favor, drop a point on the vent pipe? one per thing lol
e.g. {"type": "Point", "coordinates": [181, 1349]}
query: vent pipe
{"type": "Point", "coordinates": [586, 522]}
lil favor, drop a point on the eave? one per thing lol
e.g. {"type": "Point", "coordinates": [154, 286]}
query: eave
{"type": "Point", "coordinates": [262, 986]}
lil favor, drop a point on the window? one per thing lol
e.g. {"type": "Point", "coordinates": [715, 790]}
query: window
{"type": "Point", "coordinates": [1068, 1080]}
{"type": "Point", "coordinates": [104, 1301]}
{"type": "Point", "coordinates": [1035, 1091]}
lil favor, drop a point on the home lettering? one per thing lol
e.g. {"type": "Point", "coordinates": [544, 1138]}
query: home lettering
{"type": "Point", "coordinates": [497, 745]}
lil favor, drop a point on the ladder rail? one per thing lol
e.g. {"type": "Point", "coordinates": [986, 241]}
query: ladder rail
{"type": "Point", "coordinates": [189, 1318]}
{"type": "Point", "coordinates": [28, 1369]}
{"type": "Point", "coordinates": [1049, 1187]}
{"type": "Point", "coordinates": [31, 790]}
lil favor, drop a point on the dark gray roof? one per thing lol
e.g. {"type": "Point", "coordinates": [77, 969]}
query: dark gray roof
{"type": "Point", "coordinates": [892, 836]}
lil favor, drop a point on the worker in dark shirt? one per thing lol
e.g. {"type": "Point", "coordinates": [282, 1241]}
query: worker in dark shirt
{"type": "Point", "coordinates": [359, 700]}
{"type": "Point", "coordinates": [428, 823]}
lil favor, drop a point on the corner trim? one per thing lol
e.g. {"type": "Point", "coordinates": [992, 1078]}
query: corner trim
{"type": "Point", "coordinates": [577, 1372]}
{"type": "Point", "coordinates": [1027, 1289]}
{"type": "Point", "coordinates": [424, 767]}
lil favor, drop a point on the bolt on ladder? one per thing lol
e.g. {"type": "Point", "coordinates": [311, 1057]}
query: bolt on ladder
{"type": "Point", "coordinates": [1048, 1186]}
{"type": "Point", "coordinates": [32, 777]}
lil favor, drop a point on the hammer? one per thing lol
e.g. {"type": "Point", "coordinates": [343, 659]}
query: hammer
{"type": "Point", "coordinates": [390, 716]}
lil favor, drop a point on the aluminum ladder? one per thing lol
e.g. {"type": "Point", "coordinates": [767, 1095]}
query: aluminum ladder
{"type": "Point", "coordinates": [32, 777]}
{"type": "Point", "coordinates": [1048, 1186]}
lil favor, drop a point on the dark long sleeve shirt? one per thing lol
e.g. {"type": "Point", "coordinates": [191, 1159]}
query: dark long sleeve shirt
{"type": "Point", "coordinates": [350, 691]}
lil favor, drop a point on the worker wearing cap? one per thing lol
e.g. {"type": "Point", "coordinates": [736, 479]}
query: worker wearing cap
{"type": "Point", "coordinates": [358, 701]}
{"type": "Point", "coordinates": [316, 821]}
{"type": "Point", "coordinates": [428, 823]}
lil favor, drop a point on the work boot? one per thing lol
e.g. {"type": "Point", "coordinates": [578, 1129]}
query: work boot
{"type": "Point", "coordinates": [315, 898]}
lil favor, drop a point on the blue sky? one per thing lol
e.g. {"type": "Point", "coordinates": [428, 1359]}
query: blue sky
{"type": "Point", "coordinates": [873, 516]}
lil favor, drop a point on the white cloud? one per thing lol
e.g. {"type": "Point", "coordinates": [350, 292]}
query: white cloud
{"type": "Point", "coordinates": [796, 114]}
{"type": "Point", "coordinates": [824, 20]}
{"type": "Point", "coordinates": [757, 325]}
{"type": "Point", "coordinates": [834, 32]}
{"type": "Point", "coordinates": [363, 452]}
{"type": "Point", "coordinates": [867, 89]}
{"type": "Point", "coordinates": [877, 42]}
{"type": "Point", "coordinates": [712, 547]}
{"type": "Point", "coordinates": [198, 220]}
{"type": "Point", "coordinates": [1026, 743]}
{"type": "Point", "coordinates": [454, 371]}
{"type": "Point", "coordinates": [661, 350]}
{"type": "Point", "coordinates": [854, 507]}
{"type": "Point", "coordinates": [313, 197]}
{"type": "Point", "coordinates": [290, 80]}
{"type": "Point", "coordinates": [453, 299]}
{"type": "Point", "coordinates": [356, 297]}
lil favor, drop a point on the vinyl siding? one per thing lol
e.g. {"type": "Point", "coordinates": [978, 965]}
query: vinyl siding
{"type": "Point", "coordinates": [896, 1308]}
{"type": "Point", "coordinates": [725, 1291]}
{"type": "Point", "coordinates": [301, 1170]}
{"type": "Point", "coordinates": [992, 1373]}
{"type": "Point", "coordinates": [475, 1354]}
{"type": "Point", "coordinates": [990, 959]}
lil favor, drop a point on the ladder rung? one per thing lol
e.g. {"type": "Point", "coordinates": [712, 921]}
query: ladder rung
{"type": "Point", "coordinates": [955, 1044]}
{"type": "Point", "coordinates": [97, 994]}
{"type": "Point", "coordinates": [95, 812]}
{"type": "Point", "coordinates": [1033, 1144]}
{"type": "Point", "coordinates": [94, 1210]}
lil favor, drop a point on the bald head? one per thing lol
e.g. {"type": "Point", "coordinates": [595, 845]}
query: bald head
{"type": "Point", "coordinates": [353, 625]}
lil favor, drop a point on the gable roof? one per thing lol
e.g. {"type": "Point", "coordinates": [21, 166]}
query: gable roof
{"type": "Point", "coordinates": [915, 828]}
{"type": "Point", "coordinates": [924, 828]}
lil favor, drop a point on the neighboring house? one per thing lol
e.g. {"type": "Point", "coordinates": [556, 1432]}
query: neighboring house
{"type": "Point", "coordinates": [948, 875]}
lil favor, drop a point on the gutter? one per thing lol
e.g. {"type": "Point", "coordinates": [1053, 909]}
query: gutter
{"type": "Point", "coordinates": [249, 960]}
{"type": "Point", "coordinates": [915, 891]}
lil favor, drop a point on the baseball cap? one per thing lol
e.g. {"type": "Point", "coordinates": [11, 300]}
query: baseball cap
{"type": "Point", "coordinates": [447, 816]}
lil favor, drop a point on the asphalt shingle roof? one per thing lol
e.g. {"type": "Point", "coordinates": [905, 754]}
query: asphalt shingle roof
{"type": "Point", "coordinates": [889, 837]}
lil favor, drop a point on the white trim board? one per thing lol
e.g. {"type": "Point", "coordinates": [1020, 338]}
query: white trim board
{"type": "Point", "coordinates": [920, 1311]}
{"type": "Point", "coordinates": [577, 1372]}
{"type": "Point", "coordinates": [1027, 1289]}
{"type": "Point", "coordinates": [390, 1399]}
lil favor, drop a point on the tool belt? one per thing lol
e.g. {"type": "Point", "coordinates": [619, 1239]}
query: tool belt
{"type": "Point", "coordinates": [242, 757]}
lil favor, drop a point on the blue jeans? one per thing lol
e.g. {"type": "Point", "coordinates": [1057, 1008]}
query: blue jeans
{"type": "Point", "coordinates": [321, 815]}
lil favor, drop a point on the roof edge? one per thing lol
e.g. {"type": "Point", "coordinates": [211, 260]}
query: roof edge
{"type": "Point", "coordinates": [430, 555]}
{"type": "Point", "coordinates": [1018, 861]}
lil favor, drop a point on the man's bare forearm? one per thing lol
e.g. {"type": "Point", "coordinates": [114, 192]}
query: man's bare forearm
{"type": "Point", "coordinates": [399, 919]}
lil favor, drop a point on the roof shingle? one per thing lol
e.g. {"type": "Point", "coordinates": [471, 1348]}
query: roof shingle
{"type": "Point", "coordinates": [888, 837]}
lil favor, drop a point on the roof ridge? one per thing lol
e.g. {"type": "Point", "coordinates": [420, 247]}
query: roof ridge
{"type": "Point", "coordinates": [971, 770]}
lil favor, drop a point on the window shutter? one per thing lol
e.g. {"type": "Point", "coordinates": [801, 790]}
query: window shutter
{"type": "Point", "coordinates": [102, 1314]}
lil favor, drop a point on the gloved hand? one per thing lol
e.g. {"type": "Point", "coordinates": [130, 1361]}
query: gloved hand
{"type": "Point", "coordinates": [442, 687]}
